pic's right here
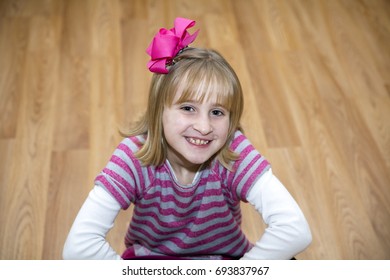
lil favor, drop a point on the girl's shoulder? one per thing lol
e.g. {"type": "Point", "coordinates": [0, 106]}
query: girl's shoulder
{"type": "Point", "coordinates": [241, 146]}
{"type": "Point", "coordinates": [247, 153]}
{"type": "Point", "coordinates": [239, 142]}
{"type": "Point", "coordinates": [133, 143]}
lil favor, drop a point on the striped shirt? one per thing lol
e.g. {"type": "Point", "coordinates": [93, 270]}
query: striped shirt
{"type": "Point", "coordinates": [199, 219]}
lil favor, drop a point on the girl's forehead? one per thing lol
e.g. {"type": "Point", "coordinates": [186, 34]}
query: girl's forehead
{"type": "Point", "coordinates": [205, 90]}
{"type": "Point", "coordinates": [199, 97]}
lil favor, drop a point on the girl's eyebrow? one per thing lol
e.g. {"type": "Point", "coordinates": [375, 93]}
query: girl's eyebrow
{"type": "Point", "coordinates": [219, 105]}
{"type": "Point", "coordinates": [186, 101]}
{"type": "Point", "coordinates": [197, 102]}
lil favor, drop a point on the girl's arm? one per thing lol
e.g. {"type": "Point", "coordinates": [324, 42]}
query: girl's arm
{"type": "Point", "coordinates": [288, 232]}
{"type": "Point", "coordinates": [87, 237]}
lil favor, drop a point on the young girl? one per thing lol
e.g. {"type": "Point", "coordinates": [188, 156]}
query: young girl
{"type": "Point", "coordinates": [186, 167]}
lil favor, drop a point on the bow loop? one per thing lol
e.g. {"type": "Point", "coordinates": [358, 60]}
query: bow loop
{"type": "Point", "coordinates": [166, 44]}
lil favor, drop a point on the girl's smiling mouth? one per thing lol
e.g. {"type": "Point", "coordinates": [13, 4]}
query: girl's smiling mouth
{"type": "Point", "coordinates": [197, 141]}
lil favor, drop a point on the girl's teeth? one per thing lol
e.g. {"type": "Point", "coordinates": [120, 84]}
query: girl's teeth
{"type": "Point", "coordinates": [198, 141]}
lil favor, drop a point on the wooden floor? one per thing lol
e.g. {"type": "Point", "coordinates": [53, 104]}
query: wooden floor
{"type": "Point", "coordinates": [316, 76]}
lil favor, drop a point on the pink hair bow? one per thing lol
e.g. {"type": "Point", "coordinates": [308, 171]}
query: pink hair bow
{"type": "Point", "coordinates": [166, 44]}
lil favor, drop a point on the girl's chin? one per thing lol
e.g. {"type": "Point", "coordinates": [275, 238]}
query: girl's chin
{"type": "Point", "coordinates": [193, 163]}
{"type": "Point", "coordinates": [189, 156]}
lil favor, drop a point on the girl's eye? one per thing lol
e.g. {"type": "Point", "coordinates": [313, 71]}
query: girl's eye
{"type": "Point", "coordinates": [187, 108]}
{"type": "Point", "coordinates": [218, 113]}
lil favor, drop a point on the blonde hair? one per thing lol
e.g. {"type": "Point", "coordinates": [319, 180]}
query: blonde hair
{"type": "Point", "coordinates": [195, 74]}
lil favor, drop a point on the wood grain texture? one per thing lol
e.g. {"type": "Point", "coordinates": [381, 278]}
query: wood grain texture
{"type": "Point", "coordinates": [316, 79]}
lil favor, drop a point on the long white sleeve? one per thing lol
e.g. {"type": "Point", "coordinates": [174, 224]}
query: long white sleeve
{"type": "Point", "coordinates": [87, 237]}
{"type": "Point", "coordinates": [288, 232]}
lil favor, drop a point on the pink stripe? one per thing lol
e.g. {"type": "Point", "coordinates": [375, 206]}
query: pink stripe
{"type": "Point", "coordinates": [113, 191]}
{"type": "Point", "coordinates": [126, 149]}
{"type": "Point", "coordinates": [172, 198]}
{"type": "Point", "coordinates": [206, 193]}
{"type": "Point", "coordinates": [243, 155]}
{"type": "Point", "coordinates": [121, 163]}
{"type": "Point", "coordinates": [136, 162]}
{"type": "Point", "coordinates": [119, 179]}
{"type": "Point", "coordinates": [183, 191]}
{"type": "Point", "coordinates": [138, 141]}
{"type": "Point", "coordinates": [237, 141]}
{"type": "Point", "coordinates": [252, 178]}
{"type": "Point", "coordinates": [151, 175]}
{"type": "Point", "coordinates": [226, 243]}
{"type": "Point", "coordinates": [234, 250]}
{"type": "Point", "coordinates": [170, 211]}
{"type": "Point", "coordinates": [239, 179]}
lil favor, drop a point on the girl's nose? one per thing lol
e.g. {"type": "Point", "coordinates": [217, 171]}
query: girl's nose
{"type": "Point", "coordinates": [203, 125]}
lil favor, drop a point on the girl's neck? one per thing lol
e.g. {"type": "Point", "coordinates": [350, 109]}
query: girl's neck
{"type": "Point", "coordinates": [184, 175]}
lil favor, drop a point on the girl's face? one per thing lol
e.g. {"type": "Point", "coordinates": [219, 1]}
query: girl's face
{"type": "Point", "coordinates": [194, 131]}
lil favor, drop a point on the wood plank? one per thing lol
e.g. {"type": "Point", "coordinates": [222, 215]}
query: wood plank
{"type": "Point", "coordinates": [13, 35]}
{"type": "Point", "coordinates": [72, 108]}
{"type": "Point", "coordinates": [67, 190]}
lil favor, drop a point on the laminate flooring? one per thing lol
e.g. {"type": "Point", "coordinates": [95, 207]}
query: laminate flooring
{"type": "Point", "coordinates": [316, 80]}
